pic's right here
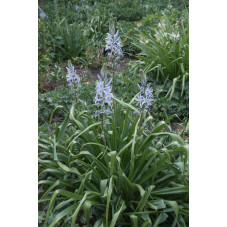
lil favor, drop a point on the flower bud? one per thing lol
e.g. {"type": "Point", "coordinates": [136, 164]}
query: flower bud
{"type": "Point", "coordinates": [143, 77]}
{"type": "Point", "coordinates": [111, 27]}
{"type": "Point", "coordinates": [104, 71]}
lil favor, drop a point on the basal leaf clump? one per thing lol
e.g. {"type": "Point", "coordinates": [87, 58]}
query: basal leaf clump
{"type": "Point", "coordinates": [130, 177]}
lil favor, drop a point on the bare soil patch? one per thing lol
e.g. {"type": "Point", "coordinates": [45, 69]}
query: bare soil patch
{"type": "Point", "coordinates": [86, 74]}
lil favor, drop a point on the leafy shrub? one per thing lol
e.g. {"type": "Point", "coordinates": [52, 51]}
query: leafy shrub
{"type": "Point", "coordinates": [133, 176]}
{"type": "Point", "coordinates": [46, 54]}
{"type": "Point", "coordinates": [95, 30]}
{"type": "Point", "coordinates": [58, 74]}
{"type": "Point", "coordinates": [52, 77]}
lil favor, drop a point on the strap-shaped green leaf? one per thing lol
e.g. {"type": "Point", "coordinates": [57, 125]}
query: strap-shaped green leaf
{"type": "Point", "coordinates": [116, 215]}
{"type": "Point", "coordinates": [110, 189]}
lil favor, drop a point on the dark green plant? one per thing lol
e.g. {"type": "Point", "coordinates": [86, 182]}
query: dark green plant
{"type": "Point", "coordinates": [134, 178]}
{"type": "Point", "coordinates": [165, 55]}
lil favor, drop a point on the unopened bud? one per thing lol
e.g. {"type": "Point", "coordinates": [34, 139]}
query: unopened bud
{"type": "Point", "coordinates": [111, 27]}
{"type": "Point", "coordinates": [143, 77]}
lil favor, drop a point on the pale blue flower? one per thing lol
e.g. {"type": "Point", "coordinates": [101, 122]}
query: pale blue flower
{"type": "Point", "coordinates": [104, 95]}
{"type": "Point", "coordinates": [162, 25]}
{"type": "Point", "coordinates": [101, 135]}
{"type": "Point", "coordinates": [140, 100]}
{"type": "Point", "coordinates": [141, 88]}
{"type": "Point", "coordinates": [113, 43]}
{"type": "Point", "coordinates": [145, 98]}
{"type": "Point", "coordinates": [87, 7]}
{"type": "Point", "coordinates": [148, 99]}
{"type": "Point", "coordinates": [77, 7]}
{"type": "Point", "coordinates": [169, 6]}
{"type": "Point", "coordinates": [42, 14]}
{"type": "Point", "coordinates": [95, 3]}
{"type": "Point", "coordinates": [72, 78]}
{"type": "Point", "coordinates": [107, 121]}
{"type": "Point", "coordinates": [175, 36]}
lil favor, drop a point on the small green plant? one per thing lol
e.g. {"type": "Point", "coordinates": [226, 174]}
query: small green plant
{"type": "Point", "coordinates": [73, 41]}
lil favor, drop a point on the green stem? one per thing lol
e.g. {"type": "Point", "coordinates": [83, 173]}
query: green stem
{"type": "Point", "coordinates": [103, 130]}
{"type": "Point", "coordinates": [104, 136]}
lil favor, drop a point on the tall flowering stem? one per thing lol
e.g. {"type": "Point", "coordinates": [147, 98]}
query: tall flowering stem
{"type": "Point", "coordinates": [145, 97]}
{"type": "Point", "coordinates": [113, 46]}
{"type": "Point", "coordinates": [113, 43]}
{"type": "Point", "coordinates": [103, 100]}
{"type": "Point", "coordinates": [73, 80]}
{"type": "Point", "coordinates": [104, 95]}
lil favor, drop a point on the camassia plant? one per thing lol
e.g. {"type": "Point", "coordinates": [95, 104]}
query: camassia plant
{"type": "Point", "coordinates": [128, 177]}
{"type": "Point", "coordinates": [165, 53]}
